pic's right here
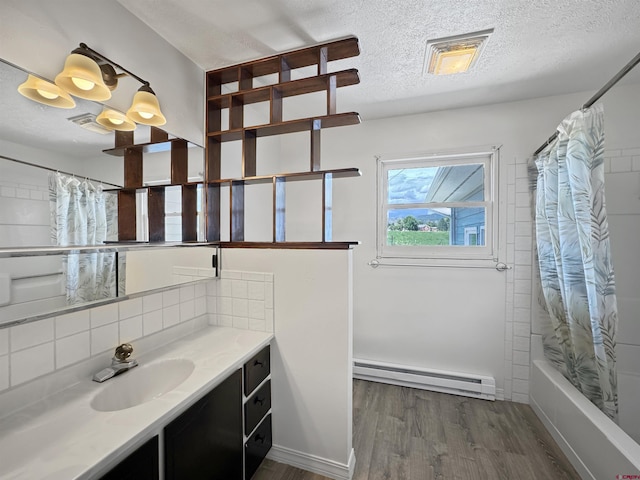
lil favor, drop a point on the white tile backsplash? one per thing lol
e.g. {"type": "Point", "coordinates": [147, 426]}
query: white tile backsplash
{"type": "Point", "coordinates": [240, 307]}
{"type": "Point", "coordinates": [4, 372]}
{"type": "Point", "coordinates": [151, 302]}
{"type": "Point", "coordinates": [32, 363]}
{"type": "Point", "coordinates": [31, 334]}
{"type": "Point", "coordinates": [104, 315]}
{"type": "Point", "coordinates": [104, 338]}
{"type": "Point", "coordinates": [130, 308]}
{"type": "Point", "coordinates": [4, 341]}
{"type": "Point", "coordinates": [35, 349]}
{"type": "Point", "coordinates": [255, 290]}
{"type": "Point", "coordinates": [72, 349]}
{"type": "Point", "coordinates": [151, 322]}
{"type": "Point", "coordinates": [187, 310]}
{"type": "Point", "coordinates": [239, 288]}
{"type": "Point", "coordinates": [72, 323]}
{"type": "Point", "coordinates": [130, 329]}
{"type": "Point", "coordinates": [170, 297]}
{"type": "Point", "coordinates": [171, 315]}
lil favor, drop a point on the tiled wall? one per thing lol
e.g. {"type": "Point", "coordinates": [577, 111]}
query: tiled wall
{"type": "Point", "coordinates": [622, 191]}
{"type": "Point", "coordinates": [243, 300]}
{"type": "Point", "coordinates": [518, 284]}
{"type": "Point", "coordinates": [16, 228]}
{"type": "Point", "coordinates": [35, 350]}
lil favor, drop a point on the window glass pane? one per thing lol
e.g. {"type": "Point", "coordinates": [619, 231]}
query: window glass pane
{"type": "Point", "coordinates": [463, 226]}
{"type": "Point", "coordinates": [451, 183]}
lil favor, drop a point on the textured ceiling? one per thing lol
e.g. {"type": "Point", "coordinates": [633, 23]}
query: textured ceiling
{"type": "Point", "coordinates": [538, 48]}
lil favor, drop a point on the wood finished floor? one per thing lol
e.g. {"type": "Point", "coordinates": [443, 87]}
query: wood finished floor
{"type": "Point", "coordinates": [407, 434]}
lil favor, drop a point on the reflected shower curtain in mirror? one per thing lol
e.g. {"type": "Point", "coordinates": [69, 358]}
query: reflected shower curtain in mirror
{"type": "Point", "coordinates": [79, 216]}
{"type": "Point", "coordinates": [574, 257]}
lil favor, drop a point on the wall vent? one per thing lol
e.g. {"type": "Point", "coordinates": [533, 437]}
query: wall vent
{"type": "Point", "coordinates": [88, 122]}
{"type": "Point", "coordinates": [468, 385]}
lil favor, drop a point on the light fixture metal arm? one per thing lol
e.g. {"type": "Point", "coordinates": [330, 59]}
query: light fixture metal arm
{"type": "Point", "coordinates": [111, 62]}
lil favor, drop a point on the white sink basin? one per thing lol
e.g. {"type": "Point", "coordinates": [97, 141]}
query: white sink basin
{"type": "Point", "coordinates": [141, 384]}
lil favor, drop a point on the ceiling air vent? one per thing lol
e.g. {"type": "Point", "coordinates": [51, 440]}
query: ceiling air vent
{"type": "Point", "coordinates": [88, 122]}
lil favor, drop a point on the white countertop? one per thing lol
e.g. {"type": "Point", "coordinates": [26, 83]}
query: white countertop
{"type": "Point", "coordinates": [63, 438]}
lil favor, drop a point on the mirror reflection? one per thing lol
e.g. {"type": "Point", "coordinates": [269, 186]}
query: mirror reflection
{"type": "Point", "coordinates": [59, 188]}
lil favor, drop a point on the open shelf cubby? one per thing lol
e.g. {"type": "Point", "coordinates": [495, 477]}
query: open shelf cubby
{"type": "Point", "coordinates": [270, 80]}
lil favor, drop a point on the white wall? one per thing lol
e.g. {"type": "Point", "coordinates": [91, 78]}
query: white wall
{"type": "Point", "coordinates": [474, 321]}
{"type": "Point", "coordinates": [311, 354]}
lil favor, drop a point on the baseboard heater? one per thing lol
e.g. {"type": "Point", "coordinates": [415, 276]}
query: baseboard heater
{"type": "Point", "coordinates": [468, 385]}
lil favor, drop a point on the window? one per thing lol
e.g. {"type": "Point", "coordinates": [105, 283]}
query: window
{"type": "Point", "coordinates": [437, 206]}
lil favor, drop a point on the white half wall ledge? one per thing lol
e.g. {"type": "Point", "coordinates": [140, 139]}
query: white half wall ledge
{"type": "Point", "coordinates": [314, 464]}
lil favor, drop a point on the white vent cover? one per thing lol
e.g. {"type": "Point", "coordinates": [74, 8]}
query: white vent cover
{"type": "Point", "coordinates": [88, 122]}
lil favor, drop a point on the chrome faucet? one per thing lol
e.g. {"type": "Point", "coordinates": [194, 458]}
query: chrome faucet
{"type": "Point", "coordinates": [119, 363]}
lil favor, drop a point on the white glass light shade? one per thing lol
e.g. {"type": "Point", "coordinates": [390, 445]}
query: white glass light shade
{"type": "Point", "coordinates": [145, 109]}
{"type": "Point", "coordinates": [41, 91]}
{"type": "Point", "coordinates": [82, 77]}
{"type": "Point", "coordinates": [114, 120]}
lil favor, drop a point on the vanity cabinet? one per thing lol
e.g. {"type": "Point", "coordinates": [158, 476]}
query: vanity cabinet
{"type": "Point", "coordinates": [257, 405]}
{"type": "Point", "coordinates": [225, 435]}
{"type": "Point", "coordinates": [205, 442]}
{"type": "Point", "coordinates": [140, 465]}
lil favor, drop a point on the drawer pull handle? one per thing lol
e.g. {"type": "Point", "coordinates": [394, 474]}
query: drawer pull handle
{"type": "Point", "coordinates": [258, 362]}
{"type": "Point", "coordinates": [259, 400]}
{"type": "Point", "coordinates": [259, 438]}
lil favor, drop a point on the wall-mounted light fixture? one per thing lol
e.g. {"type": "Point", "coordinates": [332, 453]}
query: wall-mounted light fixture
{"type": "Point", "coordinates": [445, 56]}
{"type": "Point", "coordinates": [89, 74]}
{"type": "Point", "coordinates": [45, 92]}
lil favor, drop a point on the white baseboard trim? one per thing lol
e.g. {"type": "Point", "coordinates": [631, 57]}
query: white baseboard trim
{"type": "Point", "coordinates": [313, 463]}
{"type": "Point", "coordinates": [570, 453]}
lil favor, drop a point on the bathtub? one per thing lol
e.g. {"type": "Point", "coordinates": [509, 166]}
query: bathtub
{"type": "Point", "coordinates": [597, 447]}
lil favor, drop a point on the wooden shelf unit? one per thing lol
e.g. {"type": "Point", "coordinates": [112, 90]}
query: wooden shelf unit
{"type": "Point", "coordinates": [133, 175]}
{"type": "Point", "coordinates": [247, 93]}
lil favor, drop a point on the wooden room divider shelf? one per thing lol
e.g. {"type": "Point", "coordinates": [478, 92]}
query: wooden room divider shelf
{"type": "Point", "coordinates": [247, 94]}
{"type": "Point", "coordinates": [133, 182]}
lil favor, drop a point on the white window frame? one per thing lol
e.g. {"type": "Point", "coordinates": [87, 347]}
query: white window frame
{"type": "Point", "coordinates": [489, 158]}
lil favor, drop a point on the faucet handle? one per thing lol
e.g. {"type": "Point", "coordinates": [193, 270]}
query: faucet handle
{"type": "Point", "coordinates": [123, 352]}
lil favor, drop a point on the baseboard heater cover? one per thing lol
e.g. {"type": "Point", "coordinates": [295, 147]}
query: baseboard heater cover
{"type": "Point", "coordinates": [468, 385]}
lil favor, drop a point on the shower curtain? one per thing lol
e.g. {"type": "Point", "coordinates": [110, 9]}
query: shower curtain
{"type": "Point", "coordinates": [79, 216]}
{"type": "Point", "coordinates": [574, 257]}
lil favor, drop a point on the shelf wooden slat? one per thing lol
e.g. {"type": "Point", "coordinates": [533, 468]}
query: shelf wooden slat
{"type": "Point", "coordinates": [290, 245]}
{"type": "Point", "coordinates": [292, 176]}
{"type": "Point", "coordinates": [304, 57]}
{"type": "Point", "coordinates": [292, 88]}
{"type": "Point", "coordinates": [290, 126]}
{"type": "Point", "coordinates": [150, 147]}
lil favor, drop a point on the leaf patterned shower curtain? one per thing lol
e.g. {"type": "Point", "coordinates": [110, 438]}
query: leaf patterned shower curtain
{"type": "Point", "coordinates": [79, 216]}
{"type": "Point", "coordinates": [574, 257]}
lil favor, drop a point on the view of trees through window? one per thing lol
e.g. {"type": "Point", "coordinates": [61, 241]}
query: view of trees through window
{"type": "Point", "coordinates": [436, 205]}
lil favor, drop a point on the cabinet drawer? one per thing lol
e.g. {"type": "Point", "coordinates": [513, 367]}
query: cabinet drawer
{"type": "Point", "coordinates": [256, 407]}
{"type": "Point", "coordinates": [257, 447]}
{"type": "Point", "coordinates": [256, 370]}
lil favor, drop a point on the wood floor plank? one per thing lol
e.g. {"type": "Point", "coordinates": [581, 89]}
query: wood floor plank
{"type": "Point", "coordinates": [401, 433]}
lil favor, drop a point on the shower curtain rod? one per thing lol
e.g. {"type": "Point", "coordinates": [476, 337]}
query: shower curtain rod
{"type": "Point", "coordinates": [626, 69]}
{"type": "Point", "coordinates": [58, 171]}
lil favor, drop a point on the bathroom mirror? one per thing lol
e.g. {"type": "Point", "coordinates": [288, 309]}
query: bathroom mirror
{"type": "Point", "coordinates": [38, 141]}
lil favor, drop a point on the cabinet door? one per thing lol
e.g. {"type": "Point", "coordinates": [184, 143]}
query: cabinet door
{"type": "Point", "coordinates": [140, 465]}
{"type": "Point", "coordinates": [205, 442]}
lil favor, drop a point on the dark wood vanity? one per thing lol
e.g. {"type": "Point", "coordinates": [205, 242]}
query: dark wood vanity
{"type": "Point", "coordinates": [224, 435]}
